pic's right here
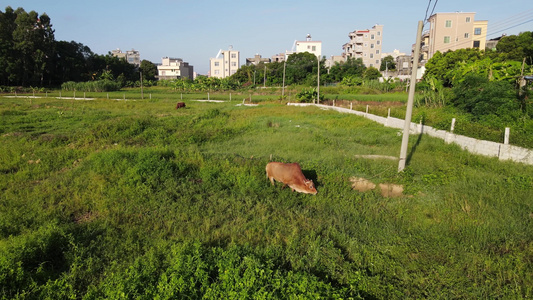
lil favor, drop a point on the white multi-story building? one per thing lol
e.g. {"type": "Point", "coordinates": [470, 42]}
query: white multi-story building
{"type": "Point", "coordinates": [225, 64]}
{"type": "Point", "coordinates": [365, 44]}
{"type": "Point", "coordinates": [313, 47]}
{"type": "Point", "coordinates": [174, 68]}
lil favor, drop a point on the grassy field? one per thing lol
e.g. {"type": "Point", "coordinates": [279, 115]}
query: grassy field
{"type": "Point", "coordinates": [135, 199]}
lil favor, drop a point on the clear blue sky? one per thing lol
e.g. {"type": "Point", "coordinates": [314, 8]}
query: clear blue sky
{"type": "Point", "coordinates": [195, 30]}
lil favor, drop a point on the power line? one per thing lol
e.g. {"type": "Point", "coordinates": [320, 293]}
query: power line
{"type": "Point", "coordinates": [426, 17]}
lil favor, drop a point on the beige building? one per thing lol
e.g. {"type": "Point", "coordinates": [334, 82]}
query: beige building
{"type": "Point", "coordinates": [133, 56]}
{"type": "Point", "coordinates": [225, 64]}
{"type": "Point", "coordinates": [278, 57]}
{"type": "Point", "coordinates": [174, 68]}
{"type": "Point", "coordinates": [452, 31]}
{"type": "Point", "coordinates": [365, 44]}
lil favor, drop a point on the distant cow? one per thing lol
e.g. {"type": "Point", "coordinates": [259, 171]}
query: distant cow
{"type": "Point", "coordinates": [290, 174]}
{"type": "Point", "coordinates": [180, 105]}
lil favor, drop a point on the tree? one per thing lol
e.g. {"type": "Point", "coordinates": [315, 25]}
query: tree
{"type": "Point", "coordinates": [26, 47]}
{"type": "Point", "coordinates": [299, 66]}
{"type": "Point", "coordinates": [371, 74]}
{"type": "Point", "coordinates": [388, 63]}
{"type": "Point", "coordinates": [148, 69]}
{"type": "Point", "coordinates": [517, 47]}
{"type": "Point", "coordinates": [8, 58]}
{"type": "Point", "coordinates": [71, 62]}
{"type": "Point", "coordinates": [349, 68]}
{"type": "Point", "coordinates": [481, 97]}
{"type": "Point", "coordinates": [442, 66]}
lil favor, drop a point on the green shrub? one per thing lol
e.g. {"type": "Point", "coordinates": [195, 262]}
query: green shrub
{"type": "Point", "coordinates": [307, 95]}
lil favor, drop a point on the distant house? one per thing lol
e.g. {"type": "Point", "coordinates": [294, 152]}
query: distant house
{"type": "Point", "coordinates": [256, 60]}
{"type": "Point", "coordinates": [365, 44]}
{"type": "Point", "coordinates": [278, 57]}
{"type": "Point", "coordinates": [225, 64]}
{"type": "Point", "coordinates": [313, 47]}
{"type": "Point", "coordinates": [491, 44]}
{"type": "Point", "coordinates": [132, 56]}
{"type": "Point", "coordinates": [174, 68]}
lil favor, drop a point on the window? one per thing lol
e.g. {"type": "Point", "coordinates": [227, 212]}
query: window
{"type": "Point", "coordinates": [467, 35]}
{"type": "Point", "coordinates": [313, 48]}
{"type": "Point", "coordinates": [467, 19]}
{"type": "Point", "coordinates": [477, 31]}
{"type": "Point", "coordinates": [378, 42]}
{"type": "Point", "coordinates": [476, 44]}
{"type": "Point", "coordinates": [379, 33]}
{"type": "Point", "coordinates": [233, 64]}
{"type": "Point", "coordinates": [448, 23]}
{"type": "Point", "coordinates": [446, 40]}
{"type": "Point", "coordinates": [372, 37]}
{"type": "Point", "coordinates": [217, 64]}
{"type": "Point", "coordinates": [233, 55]}
{"type": "Point", "coordinates": [371, 46]}
{"type": "Point", "coordinates": [371, 55]}
{"type": "Point", "coordinates": [377, 51]}
{"type": "Point", "coordinates": [377, 61]}
{"type": "Point", "coordinates": [366, 44]}
{"type": "Point", "coordinates": [217, 72]}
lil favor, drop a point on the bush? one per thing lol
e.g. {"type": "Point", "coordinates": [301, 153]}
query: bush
{"type": "Point", "coordinates": [307, 95]}
{"type": "Point", "coordinates": [481, 97]}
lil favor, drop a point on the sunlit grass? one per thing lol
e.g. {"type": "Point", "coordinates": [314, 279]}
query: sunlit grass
{"type": "Point", "coordinates": [105, 197]}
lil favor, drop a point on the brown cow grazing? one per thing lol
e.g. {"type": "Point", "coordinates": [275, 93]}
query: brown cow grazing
{"type": "Point", "coordinates": [291, 175]}
{"type": "Point", "coordinates": [180, 105]}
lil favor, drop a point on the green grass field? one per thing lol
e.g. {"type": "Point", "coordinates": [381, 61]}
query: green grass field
{"type": "Point", "coordinates": [135, 199]}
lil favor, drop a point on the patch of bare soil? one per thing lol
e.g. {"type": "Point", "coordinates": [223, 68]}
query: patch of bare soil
{"type": "Point", "coordinates": [388, 190]}
{"type": "Point", "coordinates": [391, 190]}
{"type": "Point", "coordinates": [361, 184]}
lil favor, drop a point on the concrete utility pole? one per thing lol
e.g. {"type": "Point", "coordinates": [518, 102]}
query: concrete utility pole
{"type": "Point", "coordinates": [318, 83]}
{"type": "Point", "coordinates": [410, 99]}
{"type": "Point", "coordinates": [142, 93]}
{"type": "Point", "coordinates": [283, 89]}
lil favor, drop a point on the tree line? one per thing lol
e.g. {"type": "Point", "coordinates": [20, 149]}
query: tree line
{"type": "Point", "coordinates": [31, 56]}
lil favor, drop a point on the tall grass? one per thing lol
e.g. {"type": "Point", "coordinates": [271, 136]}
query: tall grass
{"type": "Point", "coordinates": [91, 86]}
{"type": "Point", "coordinates": [135, 199]}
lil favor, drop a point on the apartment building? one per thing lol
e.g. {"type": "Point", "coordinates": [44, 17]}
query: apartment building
{"type": "Point", "coordinates": [174, 68]}
{"type": "Point", "coordinates": [365, 44]}
{"type": "Point", "coordinates": [225, 64]}
{"type": "Point", "coordinates": [452, 31]}
{"type": "Point", "coordinates": [132, 56]}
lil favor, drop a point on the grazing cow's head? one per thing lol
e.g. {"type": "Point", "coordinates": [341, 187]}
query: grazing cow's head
{"type": "Point", "coordinates": [310, 186]}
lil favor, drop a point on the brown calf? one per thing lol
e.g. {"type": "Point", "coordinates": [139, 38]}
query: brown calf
{"type": "Point", "coordinates": [290, 174]}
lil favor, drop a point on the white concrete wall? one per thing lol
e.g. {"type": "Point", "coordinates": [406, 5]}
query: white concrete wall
{"type": "Point", "coordinates": [487, 148]}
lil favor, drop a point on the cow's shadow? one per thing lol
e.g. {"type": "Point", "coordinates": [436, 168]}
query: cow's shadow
{"type": "Point", "coordinates": [311, 174]}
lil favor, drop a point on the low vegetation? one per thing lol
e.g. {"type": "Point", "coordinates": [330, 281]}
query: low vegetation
{"type": "Point", "coordinates": [136, 199]}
